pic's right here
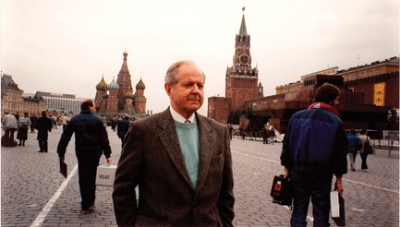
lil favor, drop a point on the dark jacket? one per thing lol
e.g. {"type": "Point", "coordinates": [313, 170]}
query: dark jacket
{"type": "Point", "coordinates": [90, 133]}
{"type": "Point", "coordinates": [315, 142]}
{"type": "Point", "coordinates": [43, 125]}
{"type": "Point", "coordinates": [122, 127]}
{"type": "Point", "coordinates": [152, 159]}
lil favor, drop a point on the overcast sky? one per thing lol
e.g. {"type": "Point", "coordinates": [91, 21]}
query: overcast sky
{"type": "Point", "coordinates": [66, 46]}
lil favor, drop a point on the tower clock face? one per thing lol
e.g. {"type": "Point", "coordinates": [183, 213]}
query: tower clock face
{"type": "Point", "coordinates": [244, 59]}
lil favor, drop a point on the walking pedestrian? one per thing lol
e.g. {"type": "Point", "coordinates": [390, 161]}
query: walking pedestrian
{"type": "Point", "coordinates": [114, 123]}
{"type": "Point", "coordinates": [314, 148]}
{"type": "Point", "coordinates": [65, 121]}
{"type": "Point", "coordinates": [23, 126]}
{"type": "Point", "coordinates": [54, 121]}
{"type": "Point", "coordinates": [44, 126]}
{"type": "Point", "coordinates": [271, 133]}
{"type": "Point", "coordinates": [366, 141]}
{"type": "Point", "coordinates": [33, 119]}
{"type": "Point", "coordinates": [10, 126]}
{"type": "Point", "coordinates": [230, 128]}
{"type": "Point", "coordinates": [355, 145]}
{"type": "Point", "coordinates": [180, 160]}
{"type": "Point", "coordinates": [122, 128]}
{"type": "Point", "coordinates": [91, 141]}
{"type": "Point", "coordinates": [243, 131]}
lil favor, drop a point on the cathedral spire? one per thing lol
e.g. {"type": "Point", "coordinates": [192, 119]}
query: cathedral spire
{"type": "Point", "coordinates": [243, 29]}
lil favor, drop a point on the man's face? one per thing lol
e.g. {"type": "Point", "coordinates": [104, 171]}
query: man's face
{"type": "Point", "coordinates": [335, 102]}
{"type": "Point", "coordinates": [187, 95]}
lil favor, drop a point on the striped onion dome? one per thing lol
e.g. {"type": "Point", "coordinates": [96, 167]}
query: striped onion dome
{"type": "Point", "coordinates": [113, 85]}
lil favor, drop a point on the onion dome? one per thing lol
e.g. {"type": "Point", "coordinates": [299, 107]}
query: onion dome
{"type": "Point", "coordinates": [113, 85]}
{"type": "Point", "coordinates": [102, 85]}
{"type": "Point", "coordinates": [129, 95]}
{"type": "Point", "coordinates": [140, 85]}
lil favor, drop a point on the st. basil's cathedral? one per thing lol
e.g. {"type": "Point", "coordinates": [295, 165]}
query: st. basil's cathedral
{"type": "Point", "coordinates": [120, 99]}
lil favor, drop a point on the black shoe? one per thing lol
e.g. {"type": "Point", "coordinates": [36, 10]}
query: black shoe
{"type": "Point", "coordinates": [40, 151]}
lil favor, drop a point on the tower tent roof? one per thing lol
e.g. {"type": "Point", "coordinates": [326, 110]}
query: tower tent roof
{"type": "Point", "coordinates": [243, 29]}
{"type": "Point", "coordinates": [124, 67]}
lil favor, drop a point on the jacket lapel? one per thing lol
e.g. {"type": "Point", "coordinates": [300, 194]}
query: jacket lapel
{"type": "Point", "coordinates": [206, 139]}
{"type": "Point", "coordinates": [170, 141]}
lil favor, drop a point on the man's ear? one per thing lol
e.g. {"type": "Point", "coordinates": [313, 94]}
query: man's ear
{"type": "Point", "coordinates": [168, 87]}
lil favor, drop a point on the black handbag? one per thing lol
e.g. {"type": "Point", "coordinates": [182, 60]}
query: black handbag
{"type": "Point", "coordinates": [282, 192]}
{"type": "Point", "coordinates": [368, 148]}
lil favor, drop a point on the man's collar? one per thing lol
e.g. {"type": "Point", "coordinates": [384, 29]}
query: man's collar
{"type": "Point", "coordinates": [322, 105]}
{"type": "Point", "coordinates": [179, 118]}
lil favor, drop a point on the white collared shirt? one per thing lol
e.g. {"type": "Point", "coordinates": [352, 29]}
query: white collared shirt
{"type": "Point", "coordinates": [179, 118]}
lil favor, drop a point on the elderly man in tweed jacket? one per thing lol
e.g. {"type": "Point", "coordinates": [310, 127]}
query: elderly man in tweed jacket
{"type": "Point", "coordinates": [181, 162]}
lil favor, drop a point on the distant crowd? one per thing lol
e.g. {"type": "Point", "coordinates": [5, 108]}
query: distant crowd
{"type": "Point", "coordinates": [23, 123]}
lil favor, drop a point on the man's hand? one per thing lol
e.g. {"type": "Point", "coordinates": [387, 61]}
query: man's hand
{"type": "Point", "coordinates": [286, 173]}
{"type": "Point", "coordinates": [109, 160]}
{"type": "Point", "coordinates": [338, 185]}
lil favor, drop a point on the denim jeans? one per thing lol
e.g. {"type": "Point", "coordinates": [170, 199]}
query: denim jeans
{"type": "Point", "coordinates": [314, 186]}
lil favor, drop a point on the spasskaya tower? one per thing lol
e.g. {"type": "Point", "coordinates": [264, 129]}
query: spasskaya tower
{"type": "Point", "coordinates": [241, 81]}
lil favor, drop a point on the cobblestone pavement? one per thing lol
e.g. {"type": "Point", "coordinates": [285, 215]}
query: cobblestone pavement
{"type": "Point", "coordinates": [34, 193]}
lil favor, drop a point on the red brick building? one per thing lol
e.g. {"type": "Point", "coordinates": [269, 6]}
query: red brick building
{"type": "Point", "coordinates": [241, 80]}
{"type": "Point", "coordinates": [368, 92]}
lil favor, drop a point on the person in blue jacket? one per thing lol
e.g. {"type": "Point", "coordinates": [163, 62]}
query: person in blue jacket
{"type": "Point", "coordinates": [314, 149]}
{"type": "Point", "coordinates": [122, 128]}
{"type": "Point", "coordinates": [91, 141]}
{"type": "Point", "coordinates": [355, 145]}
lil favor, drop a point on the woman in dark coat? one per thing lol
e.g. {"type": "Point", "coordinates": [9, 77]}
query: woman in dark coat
{"type": "Point", "coordinates": [43, 125]}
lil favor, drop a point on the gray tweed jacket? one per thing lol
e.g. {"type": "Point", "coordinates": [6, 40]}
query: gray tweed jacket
{"type": "Point", "coordinates": [152, 160]}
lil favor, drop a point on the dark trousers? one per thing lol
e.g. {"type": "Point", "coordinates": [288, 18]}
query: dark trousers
{"type": "Point", "coordinates": [316, 187]}
{"type": "Point", "coordinates": [43, 145]}
{"type": "Point", "coordinates": [87, 164]}
{"type": "Point", "coordinates": [9, 137]}
{"type": "Point", "coordinates": [364, 161]}
{"type": "Point", "coordinates": [122, 141]}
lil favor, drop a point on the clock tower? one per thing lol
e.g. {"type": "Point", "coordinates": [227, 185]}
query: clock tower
{"type": "Point", "coordinates": [241, 79]}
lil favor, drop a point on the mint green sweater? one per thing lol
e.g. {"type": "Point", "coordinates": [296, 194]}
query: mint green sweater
{"type": "Point", "coordinates": [188, 135]}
